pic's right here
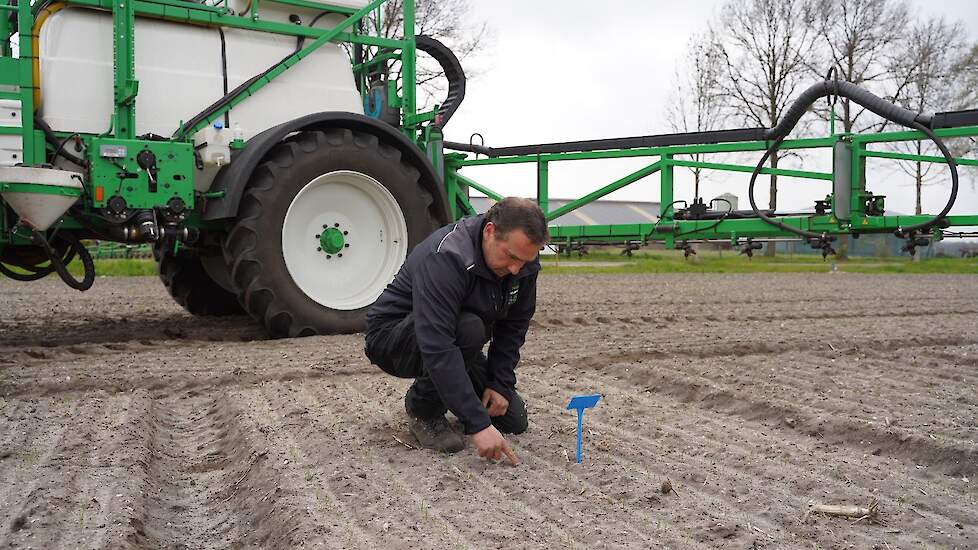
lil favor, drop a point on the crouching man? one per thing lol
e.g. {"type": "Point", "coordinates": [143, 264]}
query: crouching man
{"type": "Point", "coordinates": [467, 284]}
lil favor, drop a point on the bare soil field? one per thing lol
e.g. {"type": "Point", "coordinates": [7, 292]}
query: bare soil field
{"type": "Point", "coordinates": [126, 423]}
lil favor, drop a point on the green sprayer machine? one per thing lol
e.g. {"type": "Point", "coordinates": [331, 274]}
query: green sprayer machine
{"type": "Point", "coordinates": [265, 151]}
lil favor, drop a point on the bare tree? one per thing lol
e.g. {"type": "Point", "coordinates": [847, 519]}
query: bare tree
{"type": "Point", "coordinates": [936, 64]}
{"type": "Point", "coordinates": [860, 38]}
{"type": "Point", "coordinates": [449, 21]}
{"type": "Point", "coordinates": [966, 70]}
{"type": "Point", "coordinates": [765, 44]}
{"type": "Point", "coordinates": [696, 103]}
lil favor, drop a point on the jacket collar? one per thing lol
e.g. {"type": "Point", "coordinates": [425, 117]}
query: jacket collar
{"type": "Point", "coordinates": [474, 226]}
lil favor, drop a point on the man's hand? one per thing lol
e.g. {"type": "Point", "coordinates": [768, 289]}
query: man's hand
{"type": "Point", "coordinates": [494, 402]}
{"type": "Point", "coordinates": [489, 443]}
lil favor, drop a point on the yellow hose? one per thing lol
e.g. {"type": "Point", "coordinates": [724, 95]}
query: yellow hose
{"type": "Point", "coordinates": [36, 48]}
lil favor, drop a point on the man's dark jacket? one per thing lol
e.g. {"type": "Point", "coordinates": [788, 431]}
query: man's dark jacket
{"type": "Point", "coordinates": [442, 277]}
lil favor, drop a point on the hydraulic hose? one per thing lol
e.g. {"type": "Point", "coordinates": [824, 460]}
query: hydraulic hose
{"type": "Point", "coordinates": [453, 73]}
{"type": "Point", "coordinates": [952, 164]}
{"type": "Point", "coordinates": [36, 272]}
{"type": "Point", "coordinates": [58, 144]}
{"type": "Point", "coordinates": [714, 224]}
{"type": "Point", "coordinates": [59, 266]}
{"type": "Point", "coordinates": [864, 97]}
{"type": "Point", "coordinates": [877, 105]}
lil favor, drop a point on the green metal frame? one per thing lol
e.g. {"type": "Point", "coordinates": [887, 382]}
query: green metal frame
{"type": "Point", "coordinates": [18, 72]}
{"type": "Point", "coordinates": [671, 231]}
{"type": "Point", "coordinates": [40, 189]}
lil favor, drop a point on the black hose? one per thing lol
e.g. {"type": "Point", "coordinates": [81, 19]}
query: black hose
{"type": "Point", "coordinates": [52, 139]}
{"type": "Point", "coordinates": [34, 276]}
{"type": "Point", "coordinates": [227, 98]}
{"type": "Point", "coordinates": [453, 73]}
{"type": "Point", "coordinates": [87, 263]}
{"type": "Point", "coordinates": [848, 90]}
{"type": "Point", "coordinates": [662, 214]}
{"type": "Point", "coordinates": [224, 72]}
{"type": "Point", "coordinates": [714, 224]}
{"type": "Point", "coordinates": [36, 272]}
{"type": "Point", "coordinates": [953, 166]}
{"type": "Point", "coordinates": [878, 105]}
{"type": "Point", "coordinates": [60, 150]}
{"type": "Point", "coordinates": [753, 204]}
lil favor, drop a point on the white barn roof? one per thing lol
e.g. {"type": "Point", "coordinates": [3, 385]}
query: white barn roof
{"type": "Point", "coordinates": [601, 212]}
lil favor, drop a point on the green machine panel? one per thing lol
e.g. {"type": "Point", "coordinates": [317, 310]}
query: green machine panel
{"type": "Point", "coordinates": [145, 173]}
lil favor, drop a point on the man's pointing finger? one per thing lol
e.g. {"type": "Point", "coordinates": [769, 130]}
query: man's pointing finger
{"type": "Point", "coordinates": [510, 455]}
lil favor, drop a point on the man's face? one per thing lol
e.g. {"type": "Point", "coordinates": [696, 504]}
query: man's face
{"type": "Point", "coordinates": [508, 254]}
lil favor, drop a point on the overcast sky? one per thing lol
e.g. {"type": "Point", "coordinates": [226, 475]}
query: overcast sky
{"type": "Point", "coordinates": [562, 70]}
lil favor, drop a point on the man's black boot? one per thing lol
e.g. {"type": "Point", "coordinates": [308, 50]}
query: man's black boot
{"type": "Point", "coordinates": [435, 433]}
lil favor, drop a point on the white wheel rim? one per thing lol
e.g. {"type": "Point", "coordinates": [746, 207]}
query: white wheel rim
{"type": "Point", "coordinates": [374, 246]}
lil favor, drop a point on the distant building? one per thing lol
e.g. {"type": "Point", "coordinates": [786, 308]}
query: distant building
{"type": "Point", "coordinates": [602, 212]}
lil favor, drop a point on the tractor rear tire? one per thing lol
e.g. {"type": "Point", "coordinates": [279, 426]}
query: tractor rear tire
{"type": "Point", "coordinates": [324, 224]}
{"type": "Point", "coordinates": [190, 285]}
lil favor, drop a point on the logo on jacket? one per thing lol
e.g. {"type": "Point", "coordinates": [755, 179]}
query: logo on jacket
{"type": "Point", "coordinates": [514, 292]}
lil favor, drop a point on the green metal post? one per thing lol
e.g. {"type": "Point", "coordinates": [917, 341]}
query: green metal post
{"type": "Point", "coordinates": [434, 143]}
{"type": "Point", "coordinates": [5, 32]}
{"type": "Point", "coordinates": [408, 73]}
{"type": "Point", "coordinates": [126, 86]}
{"type": "Point", "coordinates": [856, 207]}
{"type": "Point", "coordinates": [451, 191]}
{"type": "Point", "coordinates": [543, 192]}
{"type": "Point", "coordinates": [25, 25]}
{"type": "Point", "coordinates": [665, 195]}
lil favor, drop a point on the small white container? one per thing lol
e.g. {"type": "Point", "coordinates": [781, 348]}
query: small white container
{"type": "Point", "coordinates": [214, 144]}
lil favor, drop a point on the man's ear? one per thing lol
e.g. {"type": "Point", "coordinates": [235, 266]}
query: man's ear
{"type": "Point", "coordinates": [489, 231]}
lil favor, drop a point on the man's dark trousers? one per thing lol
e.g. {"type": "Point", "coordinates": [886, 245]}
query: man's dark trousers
{"type": "Point", "coordinates": [394, 349]}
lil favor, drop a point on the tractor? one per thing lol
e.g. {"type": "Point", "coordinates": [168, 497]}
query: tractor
{"type": "Point", "coordinates": [277, 168]}
{"type": "Point", "coordinates": [230, 136]}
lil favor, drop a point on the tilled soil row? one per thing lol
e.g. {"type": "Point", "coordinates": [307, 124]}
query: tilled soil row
{"type": "Point", "coordinates": [127, 423]}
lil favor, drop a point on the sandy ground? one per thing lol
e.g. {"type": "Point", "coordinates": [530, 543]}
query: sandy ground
{"type": "Point", "coordinates": [126, 423]}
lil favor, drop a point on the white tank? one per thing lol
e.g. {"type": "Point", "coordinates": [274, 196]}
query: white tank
{"type": "Point", "coordinates": [178, 67]}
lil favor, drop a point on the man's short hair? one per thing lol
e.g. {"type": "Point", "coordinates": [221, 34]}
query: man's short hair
{"type": "Point", "coordinates": [519, 213]}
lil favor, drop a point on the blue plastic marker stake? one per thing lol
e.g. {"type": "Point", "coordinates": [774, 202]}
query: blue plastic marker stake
{"type": "Point", "coordinates": [581, 402]}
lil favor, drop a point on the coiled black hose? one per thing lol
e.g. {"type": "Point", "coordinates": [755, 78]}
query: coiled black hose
{"type": "Point", "coordinates": [874, 103]}
{"type": "Point", "coordinates": [58, 263]}
{"type": "Point", "coordinates": [35, 272]}
{"type": "Point", "coordinates": [87, 263]}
